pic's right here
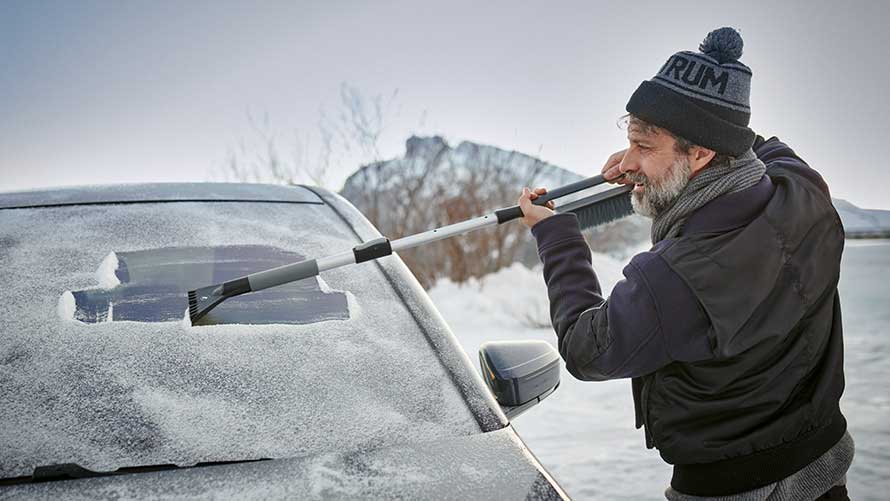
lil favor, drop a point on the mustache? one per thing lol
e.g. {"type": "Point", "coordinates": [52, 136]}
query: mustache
{"type": "Point", "coordinates": [636, 177]}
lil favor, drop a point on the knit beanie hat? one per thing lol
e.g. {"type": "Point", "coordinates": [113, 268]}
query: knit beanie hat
{"type": "Point", "coordinates": [702, 96]}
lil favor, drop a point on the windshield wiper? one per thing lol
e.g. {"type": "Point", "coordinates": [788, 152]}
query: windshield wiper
{"type": "Point", "coordinates": [70, 471]}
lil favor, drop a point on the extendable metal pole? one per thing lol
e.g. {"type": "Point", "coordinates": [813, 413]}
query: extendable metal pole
{"type": "Point", "coordinates": [206, 298]}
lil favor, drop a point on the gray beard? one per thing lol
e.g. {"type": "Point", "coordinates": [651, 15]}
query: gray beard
{"type": "Point", "coordinates": [713, 181]}
{"type": "Point", "coordinates": [659, 195]}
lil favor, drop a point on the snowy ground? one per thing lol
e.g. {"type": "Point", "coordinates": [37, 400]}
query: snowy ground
{"type": "Point", "coordinates": [584, 433]}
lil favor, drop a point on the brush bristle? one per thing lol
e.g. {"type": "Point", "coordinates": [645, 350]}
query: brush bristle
{"type": "Point", "coordinates": [601, 208]}
{"type": "Point", "coordinates": [604, 212]}
{"type": "Point", "coordinates": [193, 304]}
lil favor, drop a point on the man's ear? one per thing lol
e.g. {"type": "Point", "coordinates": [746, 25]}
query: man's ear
{"type": "Point", "coordinates": [699, 157]}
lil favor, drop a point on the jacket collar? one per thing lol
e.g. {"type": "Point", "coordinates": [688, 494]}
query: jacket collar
{"type": "Point", "coordinates": [731, 211]}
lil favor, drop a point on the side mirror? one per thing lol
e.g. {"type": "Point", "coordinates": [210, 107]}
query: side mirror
{"type": "Point", "coordinates": [519, 373]}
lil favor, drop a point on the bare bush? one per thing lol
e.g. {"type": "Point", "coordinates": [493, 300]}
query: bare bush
{"type": "Point", "coordinates": [347, 138]}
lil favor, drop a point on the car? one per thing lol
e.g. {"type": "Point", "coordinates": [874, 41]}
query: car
{"type": "Point", "coordinates": [346, 385]}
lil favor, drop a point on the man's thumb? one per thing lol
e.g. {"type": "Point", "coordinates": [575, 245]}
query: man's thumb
{"type": "Point", "coordinates": [525, 200]}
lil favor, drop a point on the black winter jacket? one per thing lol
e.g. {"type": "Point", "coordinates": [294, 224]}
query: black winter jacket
{"type": "Point", "coordinates": [731, 331]}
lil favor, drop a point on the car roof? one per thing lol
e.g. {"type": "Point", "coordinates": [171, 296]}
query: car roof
{"type": "Point", "coordinates": [158, 192]}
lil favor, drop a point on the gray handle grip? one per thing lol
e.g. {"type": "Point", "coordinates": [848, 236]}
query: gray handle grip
{"type": "Point", "coordinates": [283, 274]}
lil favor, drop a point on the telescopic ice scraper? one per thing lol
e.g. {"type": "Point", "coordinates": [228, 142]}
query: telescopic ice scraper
{"type": "Point", "coordinates": [592, 210]}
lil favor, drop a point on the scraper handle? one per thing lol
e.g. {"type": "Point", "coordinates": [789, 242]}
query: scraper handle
{"type": "Point", "coordinates": [515, 212]}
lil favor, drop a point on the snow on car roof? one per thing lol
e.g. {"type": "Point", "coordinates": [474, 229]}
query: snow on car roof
{"type": "Point", "coordinates": [127, 393]}
{"type": "Point", "coordinates": [158, 192]}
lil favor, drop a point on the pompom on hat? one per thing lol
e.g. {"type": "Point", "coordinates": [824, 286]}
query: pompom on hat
{"type": "Point", "coordinates": [702, 96]}
{"type": "Point", "coordinates": [724, 45]}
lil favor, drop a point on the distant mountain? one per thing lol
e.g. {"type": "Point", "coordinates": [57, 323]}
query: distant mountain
{"type": "Point", "coordinates": [862, 223]}
{"type": "Point", "coordinates": [434, 157]}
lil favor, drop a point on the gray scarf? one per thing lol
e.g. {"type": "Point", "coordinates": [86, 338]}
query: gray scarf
{"type": "Point", "coordinates": [743, 172]}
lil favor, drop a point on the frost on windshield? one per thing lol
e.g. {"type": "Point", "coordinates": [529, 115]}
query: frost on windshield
{"type": "Point", "coordinates": [152, 285]}
{"type": "Point", "coordinates": [126, 393]}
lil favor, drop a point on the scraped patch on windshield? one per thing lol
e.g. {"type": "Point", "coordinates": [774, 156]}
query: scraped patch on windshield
{"type": "Point", "coordinates": [152, 285]}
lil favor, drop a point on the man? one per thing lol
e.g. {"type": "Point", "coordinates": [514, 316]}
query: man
{"type": "Point", "coordinates": [730, 325]}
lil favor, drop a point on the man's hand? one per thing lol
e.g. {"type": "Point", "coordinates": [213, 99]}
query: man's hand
{"type": "Point", "coordinates": [534, 213]}
{"type": "Point", "coordinates": [610, 169]}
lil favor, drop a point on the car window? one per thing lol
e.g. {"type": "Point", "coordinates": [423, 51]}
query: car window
{"type": "Point", "coordinates": [97, 368]}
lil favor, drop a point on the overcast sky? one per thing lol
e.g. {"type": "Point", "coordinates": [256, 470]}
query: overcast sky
{"type": "Point", "coordinates": [108, 92]}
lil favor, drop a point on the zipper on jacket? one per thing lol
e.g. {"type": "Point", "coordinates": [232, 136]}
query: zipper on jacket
{"type": "Point", "coordinates": [648, 382]}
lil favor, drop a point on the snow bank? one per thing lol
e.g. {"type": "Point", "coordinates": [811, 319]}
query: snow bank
{"type": "Point", "coordinates": [512, 297]}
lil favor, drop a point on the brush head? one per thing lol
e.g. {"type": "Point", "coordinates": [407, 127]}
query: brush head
{"type": "Point", "coordinates": [202, 300]}
{"type": "Point", "coordinates": [601, 208]}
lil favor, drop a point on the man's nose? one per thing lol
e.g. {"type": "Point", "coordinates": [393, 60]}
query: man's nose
{"type": "Point", "coordinates": [629, 163]}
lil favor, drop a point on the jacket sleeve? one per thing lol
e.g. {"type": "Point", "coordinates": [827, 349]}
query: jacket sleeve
{"type": "Point", "coordinates": [650, 319]}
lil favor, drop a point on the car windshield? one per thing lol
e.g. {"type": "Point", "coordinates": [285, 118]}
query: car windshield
{"type": "Point", "coordinates": [99, 367]}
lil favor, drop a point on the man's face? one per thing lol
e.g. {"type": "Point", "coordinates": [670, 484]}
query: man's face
{"type": "Point", "coordinates": [658, 170]}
